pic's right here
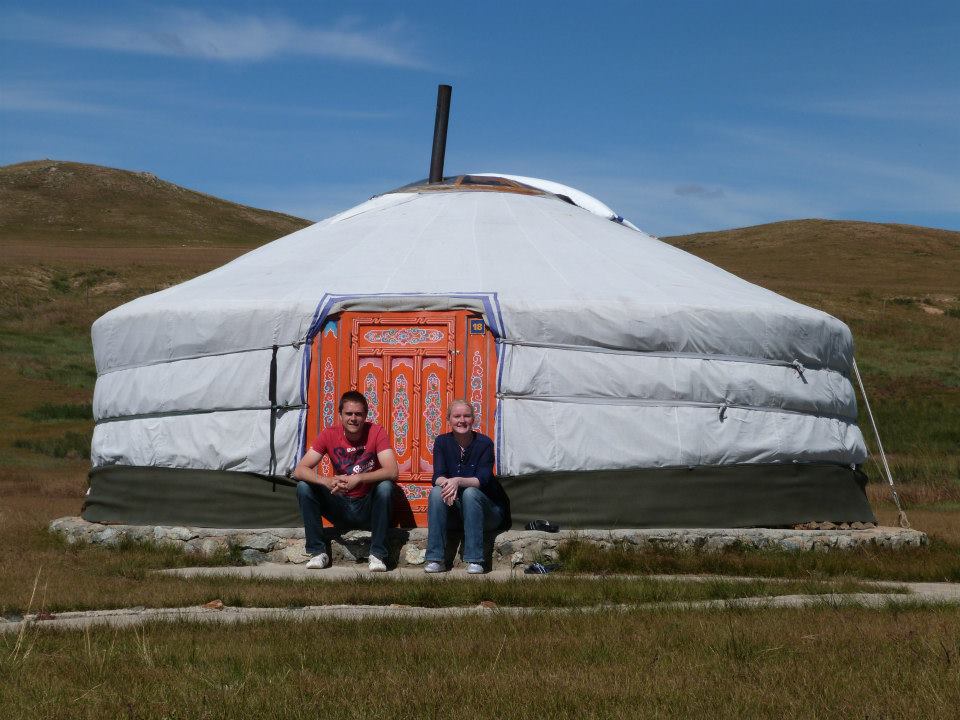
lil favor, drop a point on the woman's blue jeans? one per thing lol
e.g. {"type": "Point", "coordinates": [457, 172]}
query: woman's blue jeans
{"type": "Point", "coordinates": [371, 512]}
{"type": "Point", "coordinates": [472, 510]}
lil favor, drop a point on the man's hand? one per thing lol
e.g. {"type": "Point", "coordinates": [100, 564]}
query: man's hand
{"type": "Point", "coordinates": [327, 482]}
{"type": "Point", "coordinates": [344, 483]}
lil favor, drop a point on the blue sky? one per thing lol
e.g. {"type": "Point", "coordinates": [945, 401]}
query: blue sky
{"type": "Point", "coordinates": [682, 116]}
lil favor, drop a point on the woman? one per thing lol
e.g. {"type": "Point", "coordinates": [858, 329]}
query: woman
{"type": "Point", "coordinates": [464, 486]}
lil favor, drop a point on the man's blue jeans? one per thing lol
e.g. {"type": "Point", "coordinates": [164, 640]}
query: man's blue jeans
{"type": "Point", "coordinates": [371, 512]}
{"type": "Point", "coordinates": [472, 510]}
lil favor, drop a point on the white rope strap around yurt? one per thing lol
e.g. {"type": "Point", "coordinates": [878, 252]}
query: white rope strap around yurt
{"type": "Point", "coordinates": [901, 515]}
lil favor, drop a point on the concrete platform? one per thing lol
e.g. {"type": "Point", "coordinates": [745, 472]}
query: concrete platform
{"type": "Point", "coordinates": [508, 550]}
{"type": "Point", "coordinates": [887, 595]}
{"type": "Point", "coordinates": [343, 572]}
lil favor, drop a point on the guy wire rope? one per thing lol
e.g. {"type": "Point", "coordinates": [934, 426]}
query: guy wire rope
{"type": "Point", "coordinates": [901, 515]}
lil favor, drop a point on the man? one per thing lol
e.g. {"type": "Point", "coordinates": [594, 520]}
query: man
{"type": "Point", "coordinates": [360, 494]}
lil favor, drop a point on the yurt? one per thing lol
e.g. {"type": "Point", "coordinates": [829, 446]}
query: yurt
{"type": "Point", "coordinates": [625, 382]}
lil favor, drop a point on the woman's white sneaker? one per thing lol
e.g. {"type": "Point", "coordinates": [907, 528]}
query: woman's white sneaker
{"type": "Point", "coordinates": [318, 562]}
{"type": "Point", "coordinates": [433, 567]}
{"type": "Point", "coordinates": [475, 569]}
{"type": "Point", "coordinates": [377, 565]}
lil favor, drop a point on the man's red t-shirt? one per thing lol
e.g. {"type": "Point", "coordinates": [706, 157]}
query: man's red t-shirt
{"type": "Point", "coordinates": [349, 458]}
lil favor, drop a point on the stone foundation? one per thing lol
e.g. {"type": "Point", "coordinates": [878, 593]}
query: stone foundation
{"type": "Point", "coordinates": [509, 549]}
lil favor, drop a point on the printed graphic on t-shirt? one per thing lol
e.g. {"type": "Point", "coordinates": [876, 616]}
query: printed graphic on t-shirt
{"type": "Point", "coordinates": [352, 460]}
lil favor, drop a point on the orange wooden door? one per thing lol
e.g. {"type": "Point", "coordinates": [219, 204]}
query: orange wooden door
{"type": "Point", "coordinates": [402, 362]}
{"type": "Point", "coordinates": [409, 366]}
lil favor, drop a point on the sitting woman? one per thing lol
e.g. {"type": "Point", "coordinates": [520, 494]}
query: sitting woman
{"type": "Point", "coordinates": [464, 487]}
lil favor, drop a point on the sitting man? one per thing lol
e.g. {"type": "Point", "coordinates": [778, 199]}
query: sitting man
{"type": "Point", "coordinates": [360, 494]}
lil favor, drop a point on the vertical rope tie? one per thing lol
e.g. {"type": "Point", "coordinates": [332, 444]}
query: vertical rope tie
{"type": "Point", "coordinates": [901, 515]}
{"type": "Point", "coordinates": [273, 416]}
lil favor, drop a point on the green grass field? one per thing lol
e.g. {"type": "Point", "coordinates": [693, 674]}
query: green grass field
{"type": "Point", "coordinates": [660, 664]}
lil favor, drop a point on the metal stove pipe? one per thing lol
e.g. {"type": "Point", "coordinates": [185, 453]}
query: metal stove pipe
{"type": "Point", "coordinates": [440, 133]}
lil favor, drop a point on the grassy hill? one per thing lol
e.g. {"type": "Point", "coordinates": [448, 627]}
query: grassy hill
{"type": "Point", "coordinates": [51, 201]}
{"type": "Point", "coordinates": [80, 239]}
{"type": "Point", "coordinates": [836, 256]}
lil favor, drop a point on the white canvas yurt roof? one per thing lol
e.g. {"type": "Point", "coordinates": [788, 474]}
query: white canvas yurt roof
{"type": "Point", "coordinates": [618, 353]}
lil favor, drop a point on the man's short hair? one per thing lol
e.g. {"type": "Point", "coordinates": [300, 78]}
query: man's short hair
{"type": "Point", "coordinates": [353, 396]}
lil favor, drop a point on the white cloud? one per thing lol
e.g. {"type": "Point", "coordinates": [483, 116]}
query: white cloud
{"type": "Point", "coordinates": [655, 206]}
{"type": "Point", "coordinates": [192, 34]}
{"type": "Point", "coordinates": [143, 98]}
{"type": "Point", "coordinates": [930, 106]}
{"type": "Point", "coordinates": [288, 111]}
{"type": "Point", "coordinates": [863, 177]}
{"type": "Point", "coordinates": [39, 99]}
{"type": "Point", "coordinates": [697, 190]}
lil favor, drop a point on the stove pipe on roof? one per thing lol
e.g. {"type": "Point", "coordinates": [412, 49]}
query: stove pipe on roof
{"type": "Point", "coordinates": [440, 133]}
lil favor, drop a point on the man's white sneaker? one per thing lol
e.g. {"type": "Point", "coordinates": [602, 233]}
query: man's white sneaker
{"type": "Point", "coordinates": [377, 565]}
{"type": "Point", "coordinates": [475, 569]}
{"type": "Point", "coordinates": [433, 567]}
{"type": "Point", "coordinates": [318, 562]}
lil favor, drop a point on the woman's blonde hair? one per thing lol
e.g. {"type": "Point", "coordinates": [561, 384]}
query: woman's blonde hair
{"type": "Point", "coordinates": [459, 401]}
